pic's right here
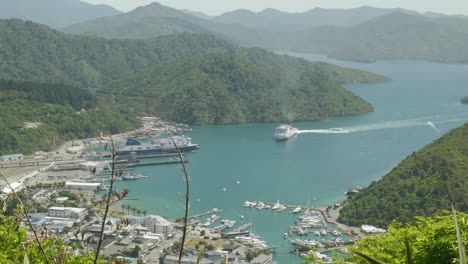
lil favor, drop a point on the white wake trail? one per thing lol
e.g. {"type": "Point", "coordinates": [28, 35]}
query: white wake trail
{"type": "Point", "coordinates": [423, 121]}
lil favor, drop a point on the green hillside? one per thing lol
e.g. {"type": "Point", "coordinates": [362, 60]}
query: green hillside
{"type": "Point", "coordinates": [252, 87]}
{"type": "Point", "coordinates": [29, 51]}
{"type": "Point", "coordinates": [423, 184]}
{"type": "Point", "coordinates": [55, 113]}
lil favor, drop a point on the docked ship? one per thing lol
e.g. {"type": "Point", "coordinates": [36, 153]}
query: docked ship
{"type": "Point", "coordinates": [284, 132]}
{"type": "Point", "coordinates": [157, 146]}
{"type": "Point", "coordinates": [136, 176]}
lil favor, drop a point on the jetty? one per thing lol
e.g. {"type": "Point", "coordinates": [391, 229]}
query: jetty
{"type": "Point", "coordinates": [212, 211]}
{"type": "Point", "coordinates": [243, 227]}
{"type": "Point", "coordinates": [138, 164]}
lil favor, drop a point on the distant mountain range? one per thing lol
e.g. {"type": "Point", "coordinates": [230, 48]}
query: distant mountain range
{"type": "Point", "coordinates": [54, 13]}
{"type": "Point", "coordinates": [369, 34]}
{"type": "Point", "coordinates": [272, 19]}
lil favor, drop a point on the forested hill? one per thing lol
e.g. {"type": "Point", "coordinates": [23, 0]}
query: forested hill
{"type": "Point", "coordinates": [425, 183]}
{"type": "Point", "coordinates": [464, 100]}
{"type": "Point", "coordinates": [253, 87]}
{"type": "Point", "coordinates": [41, 116]}
{"type": "Point", "coordinates": [29, 51]}
{"type": "Point", "coordinates": [54, 13]}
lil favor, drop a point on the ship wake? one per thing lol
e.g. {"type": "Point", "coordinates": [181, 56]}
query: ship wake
{"type": "Point", "coordinates": [424, 121]}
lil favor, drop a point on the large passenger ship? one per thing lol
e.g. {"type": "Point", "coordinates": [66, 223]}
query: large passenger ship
{"type": "Point", "coordinates": [157, 146]}
{"type": "Point", "coordinates": [284, 132]}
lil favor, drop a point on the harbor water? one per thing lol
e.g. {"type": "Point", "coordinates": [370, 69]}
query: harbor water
{"type": "Point", "coordinates": [242, 162]}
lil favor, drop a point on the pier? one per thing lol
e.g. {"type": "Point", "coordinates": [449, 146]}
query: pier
{"type": "Point", "coordinates": [212, 211]}
{"type": "Point", "coordinates": [243, 227]}
{"type": "Point", "coordinates": [138, 164]}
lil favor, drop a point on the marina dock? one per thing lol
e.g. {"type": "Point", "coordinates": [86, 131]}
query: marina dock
{"type": "Point", "coordinates": [212, 211]}
{"type": "Point", "coordinates": [138, 164]}
{"type": "Point", "coordinates": [243, 227]}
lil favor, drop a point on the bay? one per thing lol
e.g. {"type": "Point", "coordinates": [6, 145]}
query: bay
{"type": "Point", "coordinates": [420, 104]}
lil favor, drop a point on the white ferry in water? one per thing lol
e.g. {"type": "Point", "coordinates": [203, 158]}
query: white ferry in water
{"type": "Point", "coordinates": [284, 132]}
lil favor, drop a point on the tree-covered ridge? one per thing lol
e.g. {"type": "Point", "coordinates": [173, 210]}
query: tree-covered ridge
{"type": "Point", "coordinates": [54, 122]}
{"type": "Point", "coordinates": [47, 93]}
{"type": "Point", "coordinates": [431, 240]}
{"type": "Point", "coordinates": [464, 100]}
{"type": "Point", "coordinates": [253, 87]}
{"type": "Point", "coordinates": [425, 183]}
{"type": "Point", "coordinates": [29, 51]}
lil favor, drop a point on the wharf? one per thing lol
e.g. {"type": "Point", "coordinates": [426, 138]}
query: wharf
{"type": "Point", "coordinates": [289, 206]}
{"type": "Point", "coordinates": [138, 164]}
{"type": "Point", "coordinates": [37, 163]}
{"type": "Point", "coordinates": [243, 227]}
{"type": "Point", "coordinates": [212, 211]}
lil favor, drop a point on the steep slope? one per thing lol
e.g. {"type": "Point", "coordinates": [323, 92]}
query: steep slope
{"type": "Point", "coordinates": [30, 51]}
{"type": "Point", "coordinates": [223, 89]}
{"type": "Point", "coordinates": [272, 19]}
{"type": "Point", "coordinates": [423, 184]}
{"type": "Point", "coordinates": [54, 13]}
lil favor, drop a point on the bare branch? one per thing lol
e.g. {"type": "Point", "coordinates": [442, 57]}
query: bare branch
{"type": "Point", "coordinates": [187, 189]}
{"type": "Point", "coordinates": [25, 212]}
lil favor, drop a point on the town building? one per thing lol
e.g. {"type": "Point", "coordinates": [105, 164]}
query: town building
{"type": "Point", "coordinates": [368, 229]}
{"type": "Point", "coordinates": [155, 224]}
{"type": "Point", "coordinates": [67, 212]}
{"type": "Point", "coordinates": [83, 185]}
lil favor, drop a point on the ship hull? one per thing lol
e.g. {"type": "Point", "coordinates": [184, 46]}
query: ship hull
{"type": "Point", "coordinates": [144, 152]}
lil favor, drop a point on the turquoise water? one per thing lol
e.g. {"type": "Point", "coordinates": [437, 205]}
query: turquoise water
{"type": "Point", "coordinates": [317, 165]}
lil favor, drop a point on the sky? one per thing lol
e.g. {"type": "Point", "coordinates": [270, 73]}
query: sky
{"type": "Point", "coordinates": [217, 7]}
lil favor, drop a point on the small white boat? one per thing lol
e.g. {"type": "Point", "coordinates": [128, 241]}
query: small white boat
{"type": "Point", "coordinates": [296, 210]}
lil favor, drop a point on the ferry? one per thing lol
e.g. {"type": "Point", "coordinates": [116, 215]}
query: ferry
{"type": "Point", "coordinates": [137, 176]}
{"type": "Point", "coordinates": [157, 146]}
{"type": "Point", "coordinates": [284, 132]}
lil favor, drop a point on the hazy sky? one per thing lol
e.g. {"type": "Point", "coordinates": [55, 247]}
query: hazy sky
{"type": "Point", "coordinates": [216, 7]}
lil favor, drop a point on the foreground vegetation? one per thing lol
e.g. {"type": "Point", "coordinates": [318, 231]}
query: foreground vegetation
{"type": "Point", "coordinates": [41, 116]}
{"type": "Point", "coordinates": [425, 183]}
{"type": "Point", "coordinates": [430, 240]}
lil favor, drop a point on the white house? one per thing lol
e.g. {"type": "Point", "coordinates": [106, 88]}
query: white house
{"type": "Point", "coordinates": [67, 212]}
{"type": "Point", "coordinates": [368, 229]}
{"type": "Point", "coordinates": [156, 224]}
